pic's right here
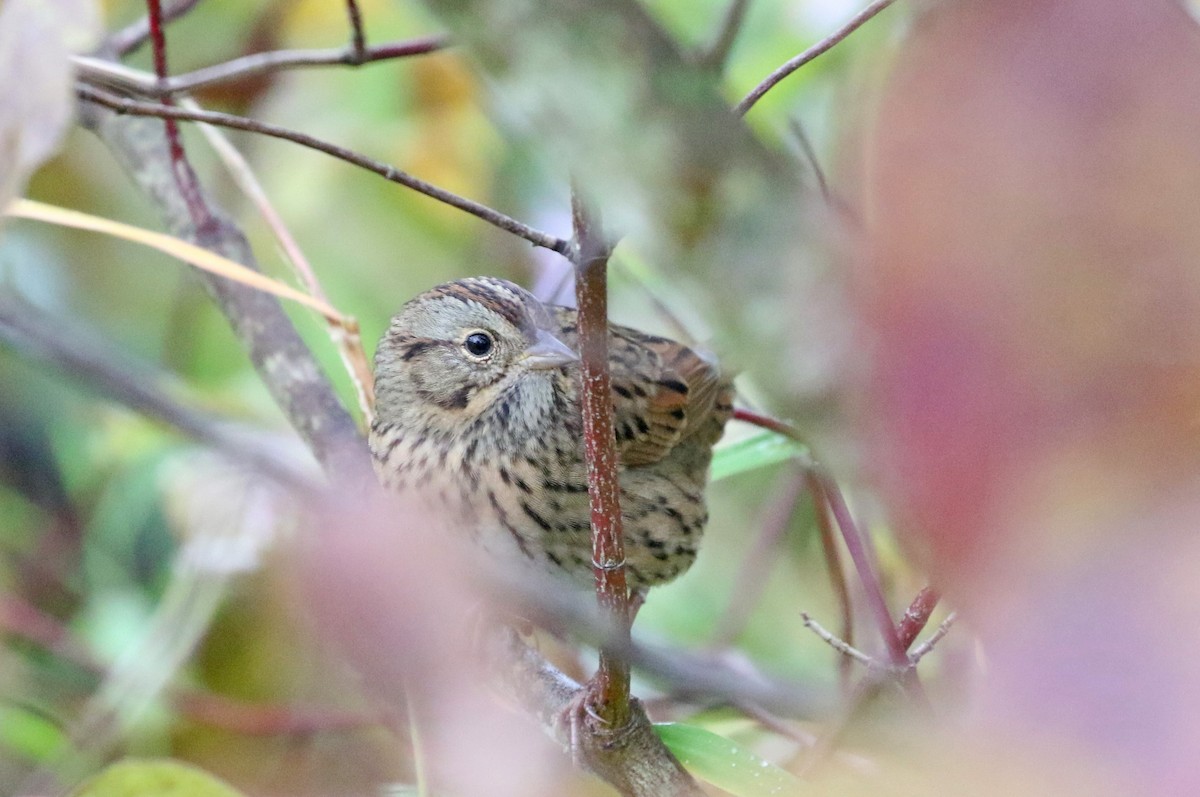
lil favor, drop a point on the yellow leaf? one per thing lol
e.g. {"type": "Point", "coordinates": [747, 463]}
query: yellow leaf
{"type": "Point", "coordinates": [154, 778]}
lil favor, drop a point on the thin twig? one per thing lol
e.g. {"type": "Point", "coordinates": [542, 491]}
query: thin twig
{"type": "Point", "coordinates": [777, 725]}
{"type": "Point", "coordinates": [105, 73]}
{"type": "Point", "coordinates": [711, 676]}
{"type": "Point", "coordinates": [865, 691]}
{"type": "Point", "coordinates": [751, 578]}
{"type": "Point", "coordinates": [833, 200]}
{"type": "Point", "coordinates": [717, 54]}
{"type": "Point", "coordinates": [280, 356]}
{"type": "Point", "coordinates": [810, 155]}
{"type": "Point", "coordinates": [129, 38]}
{"type": "Point", "coordinates": [840, 645]}
{"type": "Point", "coordinates": [388, 172]}
{"type": "Point", "coordinates": [856, 543]}
{"type": "Point", "coordinates": [243, 176]}
{"type": "Point", "coordinates": [358, 37]}
{"type": "Point", "coordinates": [921, 650]}
{"type": "Point", "coordinates": [345, 331]}
{"type": "Point", "coordinates": [767, 422]}
{"type": "Point", "coordinates": [864, 563]}
{"type": "Point", "coordinates": [590, 256]}
{"type": "Point", "coordinates": [185, 178]}
{"type": "Point", "coordinates": [803, 58]}
{"type": "Point", "coordinates": [833, 565]}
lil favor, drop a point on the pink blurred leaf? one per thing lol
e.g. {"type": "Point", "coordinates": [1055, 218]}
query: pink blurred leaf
{"type": "Point", "coordinates": [1031, 292]}
{"type": "Point", "coordinates": [1030, 297]}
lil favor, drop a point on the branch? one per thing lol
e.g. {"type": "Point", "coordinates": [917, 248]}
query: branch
{"type": "Point", "coordinates": [811, 53]}
{"type": "Point", "coordinates": [926, 647]}
{"type": "Point", "coordinates": [751, 581]}
{"type": "Point", "coordinates": [101, 72]}
{"type": "Point", "coordinates": [185, 178]}
{"type": "Point", "coordinates": [864, 562]}
{"type": "Point", "coordinates": [705, 676]}
{"type": "Point", "coordinates": [810, 155]}
{"type": "Point", "coordinates": [280, 356]}
{"type": "Point", "coordinates": [128, 39]}
{"type": "Point", "coordinates": [717, 54]}
{"type": "Point", "coordinates": [855, 542]}
{"type": "Point", "coordinates": [833, 565]}
{"type": "Point", "coordinates": [591, 252]}
{"type": "Point", "coordinates": [358, 37]}
{"type": "Point", "coordinates": [480, 211]}
{"type": "Point", "coordinates": [635, 761]}
{"type": "Point", "coordinates": [917, 615]}
{"type": "Point", "coordinates": [840, 645]}
{"type": "Point", "coordinates": [78, 352]}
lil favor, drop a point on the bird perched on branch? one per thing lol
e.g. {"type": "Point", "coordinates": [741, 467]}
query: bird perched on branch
{"type": "Point", "coordinates": [478, 407]}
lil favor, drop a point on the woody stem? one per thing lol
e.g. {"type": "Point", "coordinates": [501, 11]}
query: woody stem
{"type": "Point", "coordinates": [590, 257]}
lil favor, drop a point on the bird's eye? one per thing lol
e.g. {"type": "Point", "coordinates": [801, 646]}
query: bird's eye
{"type": "Point", "coordinates": [478, 343]}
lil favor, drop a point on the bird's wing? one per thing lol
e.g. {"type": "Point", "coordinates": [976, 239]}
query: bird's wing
{"type": "Point", "coordinates": [663, 393]}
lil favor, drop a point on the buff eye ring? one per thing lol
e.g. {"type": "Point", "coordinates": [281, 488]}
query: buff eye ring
{"type": "Point", "coordinates": [478, 344]}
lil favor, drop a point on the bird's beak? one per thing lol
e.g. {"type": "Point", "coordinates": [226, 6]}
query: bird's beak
{"type": "Point", "coordinates": [548, 352]}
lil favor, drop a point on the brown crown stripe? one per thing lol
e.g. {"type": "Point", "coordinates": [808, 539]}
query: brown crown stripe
{"type": "Point", "coordinates": [492, 294]}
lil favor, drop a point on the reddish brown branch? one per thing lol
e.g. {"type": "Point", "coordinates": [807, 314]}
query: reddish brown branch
{"type": "Point", "coordinates": [128, 39]}
{"type": "Point", "coordinates": [870, 685]}
{"type": "Point", "coordinates": [811, 53]}
{"type": "Point", "coordinates": [608, 545]}
{"type": "Point", "coordinates": [766, 422]}
{"type": "Point", "coordinates": [185, 178]}
{"type": "Point", "coordinates": [917, 616]}
{"type": "Point", "coordinates": [856, 543]}
{"type": "Point", "coordinates": [864, 563]}
{"type": "Point", "coordinates": [480, 211]}
{"type": "Point", "coordinates": [750, 581]}
{"type": "Point", "coordinates": [833, 565]}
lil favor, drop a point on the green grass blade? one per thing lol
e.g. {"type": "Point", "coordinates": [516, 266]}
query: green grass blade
{"type": "Point", "coordinates": [722, 763]}
{"type": "Point", "coordinates": [758, 450]}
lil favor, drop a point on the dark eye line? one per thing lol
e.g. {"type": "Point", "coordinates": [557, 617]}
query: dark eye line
{"type": "Point", "coordinates": [416, 347]}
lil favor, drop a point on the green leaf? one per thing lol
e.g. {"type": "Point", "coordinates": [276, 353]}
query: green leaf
{"type": "Point", "coordinates": [28, 733]}
{"type": "Point", "coordinates": [722, 763]}
{"type": "Point", "coordinates": [758, 450]}
{"type": "Point", "coordinates": [154, 778]}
